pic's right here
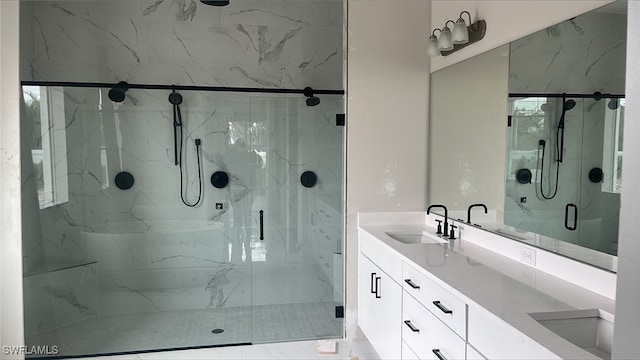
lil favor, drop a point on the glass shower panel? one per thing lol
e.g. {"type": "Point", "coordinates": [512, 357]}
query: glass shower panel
{"type": "Point", "coordinates": [541, 189]}
{"type": "Point", "coordinates": [111, 249]}
{"type": "Point", "coordinates": [601, 174]}
{"type": "Point", "coordinates": [297, 268]}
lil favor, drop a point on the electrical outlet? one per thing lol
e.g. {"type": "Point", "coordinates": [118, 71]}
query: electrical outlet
{"type": "Point", "coordinates": [528, 255]}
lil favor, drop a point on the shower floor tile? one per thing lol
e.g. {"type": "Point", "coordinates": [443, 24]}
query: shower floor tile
{"type": "Point", "coordinates": [193, 328]}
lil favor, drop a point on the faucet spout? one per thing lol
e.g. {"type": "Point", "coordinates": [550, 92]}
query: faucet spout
{"type": "Point", "coordinates": [446, 216]}
{"type": "Point", "coordinates": [471, 207]}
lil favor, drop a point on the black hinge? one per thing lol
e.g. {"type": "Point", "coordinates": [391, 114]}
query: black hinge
{"type": "Point", "coordinates": [341, 120]}
{"type": "Point", "coordinates": [509, 121]}
{"type": "Point", "coordinates": [339, 312]}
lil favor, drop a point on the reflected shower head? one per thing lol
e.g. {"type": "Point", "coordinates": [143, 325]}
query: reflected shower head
{"type": "Point", "coordinates": [544, 107]}
{"type": "Point", "coordinates": [613, 104]}
{"type": "Point", "coordinates": [568, 105]}
{"type": "Point", "coordinates": [116, 93]}
{"type": "Point", "coordinates": [175, 98]}
{"type": "Point", "coordinates": [311, 100]}
{"type": "Point", "coordinates": [215, 2]}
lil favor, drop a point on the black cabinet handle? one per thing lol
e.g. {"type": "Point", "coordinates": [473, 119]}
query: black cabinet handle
{"type": "Point", "coordinates": [442, 307]}
{"type": "Point", "coordinates": [439, 354]}
{"type": "Point", "coordinates": [378, 287]}
{"type": "Point", "coordinates": [411, 283]}
{"type": "Point", "coordinates": [410, 325]}
{"type": "Point", "coordinates": [373, 282]}
{"type": "Point", "coordinates": [261, 225]}
{"type": "Point", "coordinates": [575, 217]}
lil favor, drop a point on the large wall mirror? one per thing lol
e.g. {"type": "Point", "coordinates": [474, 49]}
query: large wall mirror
{"type": "Point", "coordinates": [533, 129]}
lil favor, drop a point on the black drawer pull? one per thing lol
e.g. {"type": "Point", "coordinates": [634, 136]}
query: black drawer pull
{"type": "Point", "coordinates": [411, 283]}
{"type": "Point", "coordinates": [442, 307]}
{"type": "Point", "coordinates": [378, 296]}
{"type": "Point", "coordinates": [439, 354]}
{"type": "Point", "coordinates": [410, 325]}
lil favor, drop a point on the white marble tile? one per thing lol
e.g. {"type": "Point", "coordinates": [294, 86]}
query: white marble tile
{"type": "Point", "coordinates": [273, 44]}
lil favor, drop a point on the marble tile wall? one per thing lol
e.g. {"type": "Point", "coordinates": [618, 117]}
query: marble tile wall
{"type": "Point", "coordinates": [250, 43]}
{"type": "Point", "coordinates": [582, 55]}
{"type": "Point", "coordinates": [61, 297]}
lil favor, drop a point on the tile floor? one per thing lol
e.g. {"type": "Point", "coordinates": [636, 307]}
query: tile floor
{"type": "Point", "coordinates": [299, 350]}
{"type": "Point", "coordinates": [193, 328]}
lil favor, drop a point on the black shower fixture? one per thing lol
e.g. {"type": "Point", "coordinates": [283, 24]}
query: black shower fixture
{"type": "Point", "coordinates": [311, 100]}
{"type": "Point", "coordinates": [215, 2]}
{"type": "Point", "coordinates": [116, 93]}
{"type": "Point", "coordinates": [613, 104]}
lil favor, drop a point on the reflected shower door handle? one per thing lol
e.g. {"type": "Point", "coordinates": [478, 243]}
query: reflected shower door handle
{"type": "Point", "coordinates": [575, 217]}
{"type": "Point", "coordinates": [261, 225]}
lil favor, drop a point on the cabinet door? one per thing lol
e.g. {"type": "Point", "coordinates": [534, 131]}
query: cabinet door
{"type": "Point", "coordinates": [379, 309]}
{"type": "Point", "coordinates": [367, 273]}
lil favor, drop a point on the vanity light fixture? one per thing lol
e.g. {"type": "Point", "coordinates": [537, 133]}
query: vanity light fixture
{"type": "Point", "coordinates": [462, 36]}
{"type": "Point", "coordinates": [445, 43]}
{"type": "Point", "coordinates": [432, 44]}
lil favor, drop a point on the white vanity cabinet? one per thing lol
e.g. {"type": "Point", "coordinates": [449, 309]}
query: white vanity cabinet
{"type": "Point", "coordinates": [379, 308]}
{"type": "Point", "coordinates": [434, 320]}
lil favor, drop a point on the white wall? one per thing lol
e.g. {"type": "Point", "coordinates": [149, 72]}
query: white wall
{"type": "Point", "coordinates": [387, 111]}
{"type": "Point", "coordinates": [627, 324]}
{"type": "Point", "coordinates": [11, 326]}
{"type": "Point", "coordinates": [506, 20]}
{"type": "Point", "coordinates": [467, 142]}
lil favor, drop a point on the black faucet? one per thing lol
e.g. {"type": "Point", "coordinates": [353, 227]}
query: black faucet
{"type": "Point", "coordinates": [446, 224]}
{"type": "Point", "coordinates": [471, 207]}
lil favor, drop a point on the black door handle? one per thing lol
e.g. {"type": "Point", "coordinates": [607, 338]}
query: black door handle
{"type": "Point", "coordinates": [575, 217]}
{"type": "Point", "coordinates": [261, 225]}
{"type": "Point", "coordinates": [373, 280]}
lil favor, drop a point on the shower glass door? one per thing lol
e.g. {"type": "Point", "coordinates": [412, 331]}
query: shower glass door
{"type": "Point", "coordinates": [576, 200]}
{"type": "Point", "coordinates": [297, 241]}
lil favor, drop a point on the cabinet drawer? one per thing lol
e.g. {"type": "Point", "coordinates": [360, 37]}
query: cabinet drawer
{"type": "Point", "coordinates": [426, 335]}
{"type": "Point", "coordinates": [407, 353]}
{"type": "Point", "coordinates": [444, 305]}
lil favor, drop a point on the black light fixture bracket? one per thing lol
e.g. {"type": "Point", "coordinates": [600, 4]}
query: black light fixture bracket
{"type": "Point", "coordinates": [476, 30]}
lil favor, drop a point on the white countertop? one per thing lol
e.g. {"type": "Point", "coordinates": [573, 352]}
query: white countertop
{"type": "Point", "coordinates": [506, 288]}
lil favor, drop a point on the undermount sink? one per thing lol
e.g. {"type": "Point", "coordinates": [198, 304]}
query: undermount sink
{"type": "Point", "coordinates": [421, 238]}
{"type": "Point", "coordinates": [590, 329]}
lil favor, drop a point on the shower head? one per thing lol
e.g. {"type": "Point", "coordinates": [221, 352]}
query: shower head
{"type": "Point", "coordinates": [116, 93]}
{"type": "Point", "coordinates": [215, 2]}
{"type": "Point", "coordinates": [568, 105]}
{"type": "Point", "coordinates": [544, 107]}
{"type": "Point", "coordinates": [613, 104]}
{"type": "Point", "coordinates": [175, 98]}
{"type": "Point", "coordinates": [311, 100]}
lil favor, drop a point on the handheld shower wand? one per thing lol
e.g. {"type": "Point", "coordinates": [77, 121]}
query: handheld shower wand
{"type": "Point", "coordinates": [566, 106]}
{"type": "Point", "coordinates": [176, 99]}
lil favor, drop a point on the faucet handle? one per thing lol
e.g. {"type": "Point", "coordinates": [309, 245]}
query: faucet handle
{"type": "Point", "coordinates": [439, 231]}
{"type": "Point", "coordinates": [452, 235]}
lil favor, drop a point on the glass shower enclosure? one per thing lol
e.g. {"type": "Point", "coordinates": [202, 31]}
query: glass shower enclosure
{"type": "Point", "coordinates": [564, 166]}
{"type": "Point", "coordinates": [151, 224]}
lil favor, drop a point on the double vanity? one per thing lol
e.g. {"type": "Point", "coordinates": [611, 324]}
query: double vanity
{"type": "Point", "coordinates": [480, 296]}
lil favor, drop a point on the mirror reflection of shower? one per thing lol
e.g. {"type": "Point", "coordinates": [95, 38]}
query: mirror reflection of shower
{"type": "Point", "coordinates": [175, 99]}
{"type": "Point", "coordinates": [559, 149]}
